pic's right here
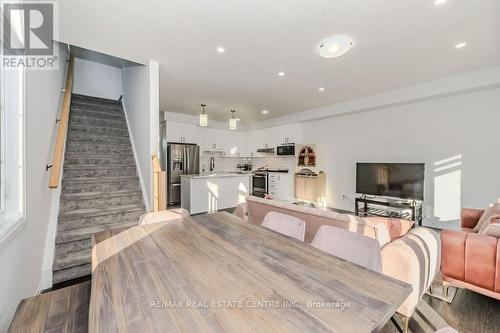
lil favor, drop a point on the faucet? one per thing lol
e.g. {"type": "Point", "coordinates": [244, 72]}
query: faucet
{"type": "Point", "coordinates": [212, 164]}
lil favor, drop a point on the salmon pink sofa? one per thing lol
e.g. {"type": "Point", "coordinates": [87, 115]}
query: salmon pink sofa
{"type": "Point", "coordinates": [471, 260]}
{"type": "Point", "coordinates": [411, 256]}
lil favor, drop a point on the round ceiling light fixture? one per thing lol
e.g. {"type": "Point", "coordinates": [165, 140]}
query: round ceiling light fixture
{"type": "Point", "coordinates": [335, 46]}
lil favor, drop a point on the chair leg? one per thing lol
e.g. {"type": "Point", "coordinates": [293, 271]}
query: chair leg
{"type": "Point", "coordinates": [446, 285]}
{"type": "Point", "coordinates": [404, 321]}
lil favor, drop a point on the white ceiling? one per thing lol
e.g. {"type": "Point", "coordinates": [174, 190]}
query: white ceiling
{"type": "Point", "coordinates": [397, 43]}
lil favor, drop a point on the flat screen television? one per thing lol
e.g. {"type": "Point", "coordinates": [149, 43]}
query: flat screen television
{"type": "Point", "coordinates": [399, 180]}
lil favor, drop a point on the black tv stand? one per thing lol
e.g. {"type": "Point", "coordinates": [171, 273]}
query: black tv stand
{"type": "Point", "coordinates": [407, 210]}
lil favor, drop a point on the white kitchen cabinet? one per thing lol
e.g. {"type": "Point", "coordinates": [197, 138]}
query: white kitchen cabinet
{"type": "Point", "coordinates": [236, 144]}
{"type": "Point", "coordinates": [182, 133]}
{"type": "Point", "coordinates": [281, 186]}
{"type": "Point", "coordinates": [214, 139]}
{"type": "Point", "coordinates": [290, 133]}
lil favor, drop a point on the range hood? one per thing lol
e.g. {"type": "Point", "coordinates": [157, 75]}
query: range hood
{"type": "Point", "coordinates": [266, 150]}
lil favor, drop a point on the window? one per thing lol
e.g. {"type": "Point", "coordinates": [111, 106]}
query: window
{"type": "Point", "coordinates": [12, 151]}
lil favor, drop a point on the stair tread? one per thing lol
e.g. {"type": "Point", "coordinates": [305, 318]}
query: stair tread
{"type": "Point", "coordinates": [98, 166]}
{"type": "Point", "coordinates": [71, 259]}
{"type": "Point", "coordinates": [100, 179]}
{"type": "Point", "coordinates": [98, 144]}
{"type": "Point", "coordinates": [78, 234]}
{"type": "Point", "coordinates": [87, 154]}
{"type": "Point", "coordinates": [76, 272]}
{"type": "Point", "coordinates": [75, 119]}
{"type": "Point", "coordinates": [92, 195]}
{"type": "Point", "coordinates": [90, 212]}
{"type": "Point", "coordinates": [72, 125]}
{"type": "Point", "coordinates": [112, 109]}
{"type": "Point", "coordinates": [94, 98]}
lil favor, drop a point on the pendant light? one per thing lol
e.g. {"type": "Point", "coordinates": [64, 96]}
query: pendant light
{"type": "Point", "coordinates": [203, 117]}
{"type": "Point", "coordinates": [232, 121]}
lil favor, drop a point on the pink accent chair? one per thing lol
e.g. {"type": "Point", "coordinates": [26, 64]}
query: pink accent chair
{"type": "Point", "coordinates": [285, 224]}
{"type": "Point", "coordinates": [351, 246]}
{"type": "Point", "coordinates": [470, 260]}
{"type": "Point", "coordinates": [163, 216]}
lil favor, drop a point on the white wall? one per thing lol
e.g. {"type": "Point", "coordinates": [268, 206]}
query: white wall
{"type": "Point", "coordinates": [98, 80]}
{"type": "Point", "coordinates": [430, 131]}
{"type": "Point", "coordinates": [141, 104]}
{"type": "Point", "coordinates": [22, 254]}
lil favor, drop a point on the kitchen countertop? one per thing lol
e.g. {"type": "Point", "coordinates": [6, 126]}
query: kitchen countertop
{"type": "Point", "coordinates": [217, 175]}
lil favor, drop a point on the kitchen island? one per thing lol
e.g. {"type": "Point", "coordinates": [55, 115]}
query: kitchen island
{"type": "Point", "coordinates": [211, 192]}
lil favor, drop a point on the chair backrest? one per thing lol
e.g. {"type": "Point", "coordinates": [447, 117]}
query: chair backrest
{"type": "Point", "coordinates": [163, 216]}
{"type": "Point", "coordinates": [285, 224]}
{"type": "Point", "coordinates": [348, 245]}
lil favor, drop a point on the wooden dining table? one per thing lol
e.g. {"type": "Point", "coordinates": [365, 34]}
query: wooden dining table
{"type": "Point", "coordinates": [217, 273]}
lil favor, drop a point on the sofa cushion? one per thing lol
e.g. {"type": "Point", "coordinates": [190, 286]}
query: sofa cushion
{"type": "Point", "coordinates": [493, 210]}
{"type": "Point", "coordinates": [494, 219]}
{"type": "Point", "coordinates": [480, 260]}
{"type": "Point", "coordinates": [492, 229]}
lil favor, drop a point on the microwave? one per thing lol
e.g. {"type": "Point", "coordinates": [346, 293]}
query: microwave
{"type": "Point", "coordinates": [285, 150]}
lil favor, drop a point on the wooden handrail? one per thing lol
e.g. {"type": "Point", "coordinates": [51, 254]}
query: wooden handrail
{"type": "Point", "coordinates": [159, 181]}
{"type": "Point", "coordinates": [55, 172]}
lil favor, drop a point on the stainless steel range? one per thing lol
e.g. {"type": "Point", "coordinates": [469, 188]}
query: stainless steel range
{"type": "Point", "coordinates": [260, 181]}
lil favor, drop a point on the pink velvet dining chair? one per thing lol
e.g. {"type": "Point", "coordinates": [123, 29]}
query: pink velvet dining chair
{"type": "Point", "coordinates": [285, 224]}
{"type": "Point", "coordinates": [348, 245]}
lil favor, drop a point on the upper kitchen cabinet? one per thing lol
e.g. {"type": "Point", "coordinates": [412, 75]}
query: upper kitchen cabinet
{"type": "Point", "coordinates": [236, 144]}
{"type": "Point", "coordinates": [214, 140]}
{"type": "Point", "coordinates": [182, 133]}
{"type": "Point", "coordinates": [290, 133]}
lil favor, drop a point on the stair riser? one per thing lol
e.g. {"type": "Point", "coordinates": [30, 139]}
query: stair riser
{"type": "Point", "coordinates": [99, 160]}
{"type": "Point", "coordinates": [89, 130]}
{"type": "Point", "coordinates": [93, 107]}
{"type": "Point", "coordinates": [96, 138]}
{"type": "Point", "coordinates": [73, 148]}
{"type": "Point", "coordinates": [71, 273]}
{"type": "Point", "coordinates": [95, 100]}
{"type": "Point", "coordinates": [85, 121]}
{"type": "Point", "coordinates": [97, 114]}
{"type": "Point", "coordinates": [102, 187]}
{"type": "Point", "coordinates": [119, 172]}
{"type": "Point", "coordinates": [63, 248]}
{"type": "Point", "coordinates": [69, 205]}
{"type": "Point", "coordinates": [98, 220]}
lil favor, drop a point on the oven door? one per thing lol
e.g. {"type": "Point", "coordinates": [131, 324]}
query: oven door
{"type": "Point", "coordinates": [259, 185]}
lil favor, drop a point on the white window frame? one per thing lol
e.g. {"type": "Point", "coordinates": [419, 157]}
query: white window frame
{"type": "Point", "coordinates": [11, 223]}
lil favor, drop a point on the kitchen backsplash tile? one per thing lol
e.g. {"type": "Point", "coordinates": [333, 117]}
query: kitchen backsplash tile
{"type": "Point", "coordinates": [229, 163]}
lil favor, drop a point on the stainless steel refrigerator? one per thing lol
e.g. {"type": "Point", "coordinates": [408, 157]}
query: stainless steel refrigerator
{"type": "Point", "coordinates": [179, 159]}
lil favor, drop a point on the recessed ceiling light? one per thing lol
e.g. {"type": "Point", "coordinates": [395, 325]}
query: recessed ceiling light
{"type": "Point", "coordinates": [321, 89]}
{"type": "Point", "coordinates": [461, 45]}
{"type": "Point", "coordinates": [439, 2]}
{"type": "Point", "coordinates": [265, 112]}
{"type": "Point", "coordinates": [335, 46]}
{"type": "Point", "coordinates": [281, 74]}
{"type": "Point", "coordinates": [220, 49]}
